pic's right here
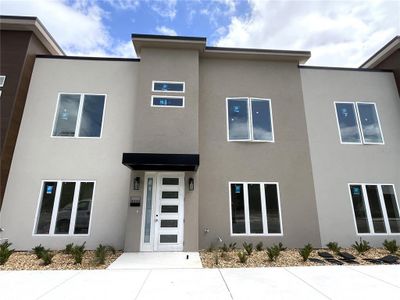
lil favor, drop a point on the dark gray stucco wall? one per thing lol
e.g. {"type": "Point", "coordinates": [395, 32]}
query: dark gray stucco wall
{"type": "Point", "coordinates": [286, 161]}
{"type": "Point", "coordinates": [335, 165]}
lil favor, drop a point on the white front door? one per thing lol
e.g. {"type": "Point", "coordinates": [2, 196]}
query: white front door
{"type": "Point", "coordinates": [162, 217]}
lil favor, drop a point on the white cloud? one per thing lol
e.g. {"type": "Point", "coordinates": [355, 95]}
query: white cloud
{"type": "Point", "coordinates": [337, 33]}
{"type": "Point", "coordinates": [164, 8]}
{"type": "Point", "coordinates": [78, 29]}
{"type": "Point", "coordinates": [166, 31]}
{"type": "Point", "coordinates": [124, 4]}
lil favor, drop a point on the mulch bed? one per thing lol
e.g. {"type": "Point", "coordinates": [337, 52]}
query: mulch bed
{"type": "Point", "coordinates": [287, 258]}
{"type": "Point", "coordinates": [61, 261]}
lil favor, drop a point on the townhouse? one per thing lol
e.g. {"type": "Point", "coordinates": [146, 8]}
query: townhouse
{"type": "Point", "coordinates": [190, 145]}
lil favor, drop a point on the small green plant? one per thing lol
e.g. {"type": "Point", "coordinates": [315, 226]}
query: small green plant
{"type": "Point", "coordinates": [306, 251]}
{"type": "Point", "coordinates": [38, 251]}
{"type": "Point", "coordinates": [111, 249]}
{"type": "Point", "coordinates": [211, 248]}
{"type": "Point", "coordinates": [333, 246]}
{"type": "Point", "coordinates": [46, 256]}
{"type": "Point", "coordinates": [391, 246]}
{"type": "Point", "coordinates": [78, 252]}
{"type": "Point", "coordinates": [273, 252]}
{"type": "Point", "coordinates": [248, 248]}
{"type": "Point", "coordinates": [224, 248]}
{"type": "Point", "coordinates": [361, 247]}
{"type": "Point", "coordinates": [281, 248]}
{"type": "Point", "coordinates": [232, 246]}
{"type": "Point", "coordinates": [68, 248]}
{"type": "Point", "coordinates": [100, 254]}
{"type": "Point", "coordinates": [259, 246]}
{"type": "Point", "coordinates": [242, 257]}
{"type": "Point", "coordinates": [5, 252]}
{"type": "Point", "coordinates": [216, 259]}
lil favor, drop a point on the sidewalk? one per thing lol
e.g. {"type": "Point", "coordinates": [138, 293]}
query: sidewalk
{"type": "Point", "coordinates": [326, 282]}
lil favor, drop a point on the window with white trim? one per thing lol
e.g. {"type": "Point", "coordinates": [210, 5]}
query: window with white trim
{"type": "Point", "coordinates": [255, 208]}
{"type": "Point", "coordinates": [2, 80]}
{"type": "Point", "coordinates": [79, 115]}
{"type": "Point", "coordinates": [64, 207]}
{"type": "Point", "coordinates": [375, 208]}
{"type": "Point", "coordinates": [358, 122]}
{"type": "Point", "coordinates": [168, 101]}
{"type": "Point", "coordinates": [249, 119]}
{"type": "Point", "coordinates": [168, 86]}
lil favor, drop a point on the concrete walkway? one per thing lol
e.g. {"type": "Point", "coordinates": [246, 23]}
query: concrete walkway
{"type": "Point", "coordinates": [326, 282]}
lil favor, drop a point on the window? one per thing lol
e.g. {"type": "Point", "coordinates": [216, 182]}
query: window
{"type": "Point", "coordinates": [358, 122]}
{"type": "Point", "coordinates": [2, 80]}
{"type": "Point", "coordinates": [255, 208]}
{"type": "Point", "coordinates": [79, 115]}
{"type": "Point", "coordinates": [168, 86]}
{"type": "Point", "coordinates": [168, 101]}
{"type": "Point", "coordinates": [375, 208]}
{"type": "Point", "coordinates": [64, 207]}
{"type": "Point", "coordinates": [249, 119]}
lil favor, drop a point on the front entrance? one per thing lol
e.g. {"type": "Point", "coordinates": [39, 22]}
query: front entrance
{"type": "Point", "coordinates": [162, 216]}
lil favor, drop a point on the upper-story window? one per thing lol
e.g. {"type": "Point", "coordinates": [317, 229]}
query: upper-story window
{"type": "Point", "coordinates": [79, 115]}
{"type": "Point", "coordinates": [162, 100]}
{"type": "Point", "coordinates": [249, 119]}
{"type": "Point", "coordinates": [168, 87]}
{"type": "Point", "coordinates": [358, 123]}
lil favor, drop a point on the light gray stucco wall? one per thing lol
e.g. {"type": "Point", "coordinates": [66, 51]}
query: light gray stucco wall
{"type": "Point", "coordinates": [39, 157]}
{"type": "Point", "coordinates": [286, 161]}
{"type": "Point", "coordinates": [335, 165]}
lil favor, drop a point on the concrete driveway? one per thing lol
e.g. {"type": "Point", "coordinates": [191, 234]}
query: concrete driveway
{"type": "Point", "coordinates": [325, 282]}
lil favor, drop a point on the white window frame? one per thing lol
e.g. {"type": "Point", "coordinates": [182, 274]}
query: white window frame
{"type": "Point", "coordinates": [368, 210]}
{"type": "Point", "coordinates": [171, 106]}
{"type": "Point", "coordinates": [166, 81]}
{"type": "Point", "coordinates": [79, 116]}
{"type": "Point", "coordinates": [2, 80]}
{"type": "Point", "coordinates": [358, 121]}
{"type": "Point", "coordinates": [247, 212]}
{"type": "Point", "coordinates": [250, 118]}
{"type": "Point", "coordinates": [56, 205]}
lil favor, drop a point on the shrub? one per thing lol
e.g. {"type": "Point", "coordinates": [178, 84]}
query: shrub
{"type": "Point", "coordinates": [248, 248]}
{"type": "Point", "coordinates": [361, 247]}
{"type": "Point", "coordinates": [100, 254]}
{"type": "Point", "coordinates": [242, 257]}
{"type": "Point", "coordinates": [68, 248]}
{"type": "Point", "coordinates": [273, 252]}
{"type": "Point", "coordinates": [391, 246]}
{"type": "Point", "coordinates": [78, 252]}
{"type": "Point", "coordinates": [38, 251]}
{"type": "Point", "coordinates": [232, 246]}
{"type": "Point", "coordinates": [333, 246]}
{"type": "Point", "coordinates": [111, 249]}
{"type": "Point", "coordinates": [46, 256]}
{"type": "Point", "coordinates": [224, 248]}
{"type": "Point", "coordinates": [259, 246]}
{"type": "Point", "coordinates": [5, 252]}
{"type": "Point", "coordinates": [306, 251]}
{"type": "Point", "coordinates": [281, 248]}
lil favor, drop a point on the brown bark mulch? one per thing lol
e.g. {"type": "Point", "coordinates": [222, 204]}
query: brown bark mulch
{"type": "Point", "coordinates": [61, 261]}
{"type": "Point", "coordinates": [287, 258]}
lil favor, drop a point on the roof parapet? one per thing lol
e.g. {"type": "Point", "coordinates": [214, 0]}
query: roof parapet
{"type": "Point", "coordinates": [382, 54]}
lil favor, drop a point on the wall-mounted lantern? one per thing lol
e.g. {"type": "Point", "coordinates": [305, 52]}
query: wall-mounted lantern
{"type": "Point", "coordinates": [191, 184]}
{"type": "Point", "coordinates": [136, 183]}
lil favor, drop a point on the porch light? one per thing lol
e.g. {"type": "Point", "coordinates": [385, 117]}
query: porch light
{"type": "Point", "coordinates": [191, 184]}
{"type": "Point", "coordinates": [136, 183]}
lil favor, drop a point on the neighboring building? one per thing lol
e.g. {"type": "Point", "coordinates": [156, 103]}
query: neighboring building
{"type": "Point", "coordinates": [387, 58]}
{"type": "Point", "coordinates": [21, 39]}
{"type": "Point", "coordinates": [193, 145]}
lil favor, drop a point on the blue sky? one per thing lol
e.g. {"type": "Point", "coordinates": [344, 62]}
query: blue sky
{"type": "Point", "coordinates": [338, 33]}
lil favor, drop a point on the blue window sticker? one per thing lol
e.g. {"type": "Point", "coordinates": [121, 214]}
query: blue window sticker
{"type": "Point", "coordinates": [237, 189]}
{"type": "Point", "coordinates": [356, 191]}
{"type": "Point", "coordinates": [49, 189]}
{"type": "Point", "coordinates": [236, 108]}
